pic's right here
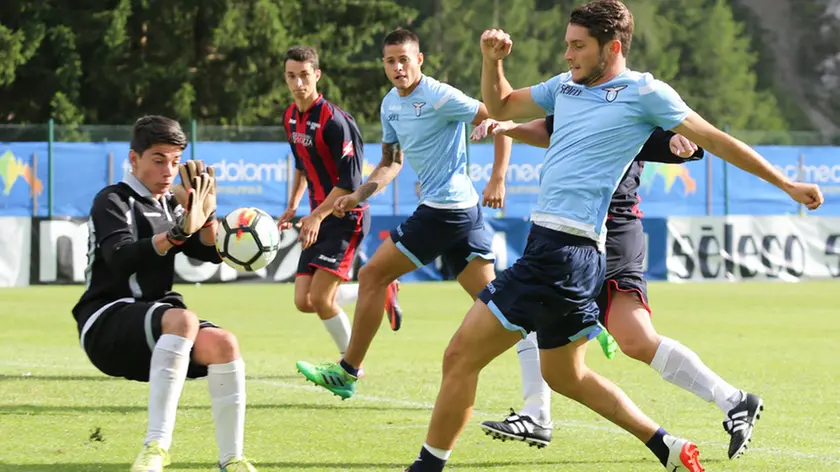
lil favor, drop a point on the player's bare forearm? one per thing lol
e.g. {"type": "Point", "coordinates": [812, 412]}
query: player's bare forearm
{"type": "Point", "coordinates": [739, 154]}
{"type": "Point", "coordinates": [495, 89]}
{"type": "Point", "coordinates": [732, 150]}
{"type": "Point", "coordinates": [532, 133]}
{"type": "Point", "coordinates": [298, 188]}
{"type": "Point", "coordinates": [326, 207]}
{"type": "Point", "coordinates": [384, 172]}
{"type": "Point", "coordinates": [501, 156]}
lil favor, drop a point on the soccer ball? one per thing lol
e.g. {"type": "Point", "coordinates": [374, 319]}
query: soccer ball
{"type": "Point", "coordinates": [247, 239]}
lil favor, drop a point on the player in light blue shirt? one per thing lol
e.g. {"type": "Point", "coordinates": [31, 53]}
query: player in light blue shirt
{"type": "Point", "coordinates": [423, 121]}
{"type": "Point", "coordinates": [430, 126]}
{"type": "Point", "coordinates": [604, 113]}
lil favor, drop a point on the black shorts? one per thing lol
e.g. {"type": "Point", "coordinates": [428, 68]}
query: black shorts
{"type": "Point", "coordinates": [459, 235]}
{"type": "Point", "coordinates": [551, 289]}
{"type": "Point", "coordinates": [119, 337]}
{"type": "Point", "coordinates": [625, 267]}
{"type": "Point", "coordinates": [335, 248]}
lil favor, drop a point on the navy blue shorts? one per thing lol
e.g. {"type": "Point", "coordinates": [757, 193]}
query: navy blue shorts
{"type": "Point", "coordinates": [551, 289]}
{"type": "Point", "coordinates": [335, 249]}
{"type": "Point", "coordinates": [458, 235]}
{"type": "Point", "coordinates": [625, 267]}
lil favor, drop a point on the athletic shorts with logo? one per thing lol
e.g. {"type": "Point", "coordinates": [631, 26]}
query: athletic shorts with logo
{"type": "Point", "coordinates": [335, 248]}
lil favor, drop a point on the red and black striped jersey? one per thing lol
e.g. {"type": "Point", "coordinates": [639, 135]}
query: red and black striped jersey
{"type": "Point", "coordinates": [327, 146]}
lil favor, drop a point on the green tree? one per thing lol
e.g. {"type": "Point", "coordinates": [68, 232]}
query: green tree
{"type": "Point", "coordinates": [716, 67]}
{"type": "Point", "coordinates": [218, 61]}
{"type": "Point", "coordinates": [450, 41]}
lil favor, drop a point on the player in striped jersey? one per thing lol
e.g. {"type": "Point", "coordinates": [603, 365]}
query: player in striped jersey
{"type": "Point", "coordinates": [328, 150]}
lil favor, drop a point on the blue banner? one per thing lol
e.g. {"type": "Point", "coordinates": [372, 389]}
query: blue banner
{"type": "Point", "coordinates": [753, 196]}
{"type": "Point", "coordinates": [259, 174]}
{"type": "Point", "coordinates": [23, 178]}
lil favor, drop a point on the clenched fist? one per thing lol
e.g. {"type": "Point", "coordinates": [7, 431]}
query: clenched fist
{"type": "Point", "coordinates": [495, 44]}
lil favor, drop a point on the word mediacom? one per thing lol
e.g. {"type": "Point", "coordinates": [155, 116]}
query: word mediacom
{"type": "Point", "coordinates": [520, 178]}
{"type": "Point", "coordinates": [824, 175]}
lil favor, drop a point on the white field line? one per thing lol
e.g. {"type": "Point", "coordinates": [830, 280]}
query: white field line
{"type": "Point", "coordinates": [68, 368]}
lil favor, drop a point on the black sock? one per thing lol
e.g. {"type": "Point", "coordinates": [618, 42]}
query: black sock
{"type": "Point", "coordinates": [427, 462]}
{"type": "Point", "coordinates": [658, 446]}
{"type": "Point", "coordinates": [349, 368]}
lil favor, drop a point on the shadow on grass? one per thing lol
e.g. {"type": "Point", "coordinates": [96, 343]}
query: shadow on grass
{"type": "Point", "coordinates": [59, 378]}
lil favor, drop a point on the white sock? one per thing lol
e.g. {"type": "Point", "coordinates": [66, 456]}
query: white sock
{"type": "Point", "coordinates": [682, 367]}
{"type": "Point", "coordinates": [167, 374]}
{"type": "Point", "coordinates": [339, 328]}
{"type": "Point", "coordinates": [226, 383]}
{"type": "Point", "coordinates": [535, 391]}
{"type": "Point", "coordinates": [441, 454]}
{"type": "Point", "coordinates": [346, 294]}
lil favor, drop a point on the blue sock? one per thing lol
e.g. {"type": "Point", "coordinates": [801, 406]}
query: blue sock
{"type": "Point", "coordinates": [427, 462]}
{"type": "Point", "coordinates": [656, 444]}
{"type": "Point", "coordinates": [349, 368]}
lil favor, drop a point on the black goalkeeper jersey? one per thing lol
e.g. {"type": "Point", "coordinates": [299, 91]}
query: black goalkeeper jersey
{"type": "Point", "coordinates": [123, 261]}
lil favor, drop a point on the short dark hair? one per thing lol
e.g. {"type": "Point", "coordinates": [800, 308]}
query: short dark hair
{"type": "Point", "coordinates": [399, 37]}
{"type": "Point", "coordinates": [302, 54]}
{"type": "Point", "coordinates": [607, 20]}
{"type": "Point", "coordinates": [155, 129]}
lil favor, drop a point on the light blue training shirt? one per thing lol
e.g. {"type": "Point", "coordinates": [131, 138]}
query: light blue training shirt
{"type": "Point", "coordinates": [430, 126]}
{"type": "Point", "coordinates": [598, 131]}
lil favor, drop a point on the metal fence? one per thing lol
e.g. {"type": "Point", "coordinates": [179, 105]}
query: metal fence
{"type": "Point", "coordinates": [51, 132]}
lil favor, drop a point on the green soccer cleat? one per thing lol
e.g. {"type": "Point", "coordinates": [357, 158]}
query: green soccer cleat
{"type": "Point", "coordinates": [152, 458]}
{"type": "Point", "coordinates": [238, 465]}
{"type": "Point", "coordinates": [331, 376]}
{"type": "Point", "coordinates": [608, 344]}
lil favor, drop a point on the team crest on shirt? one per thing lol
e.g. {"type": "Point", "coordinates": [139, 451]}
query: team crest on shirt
{"type": "Point", "coordinates": [418, 107]}
{"type": "Point", "coordinates": [612, 92]}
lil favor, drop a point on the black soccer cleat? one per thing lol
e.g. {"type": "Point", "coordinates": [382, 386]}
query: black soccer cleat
{"type": "Point", "coordinates": [518, 428]}
{"type": "Point", "coordinates": [740, 422]}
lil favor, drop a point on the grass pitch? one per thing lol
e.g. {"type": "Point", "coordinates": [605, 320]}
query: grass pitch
{"type": "Point", "coordinates": [57, 413]}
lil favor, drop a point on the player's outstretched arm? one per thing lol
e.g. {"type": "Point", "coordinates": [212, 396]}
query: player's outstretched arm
{"type": "Point", "coordinates": [503, 103]}
{"type": "Point", "coordinates": [533, 133]}
{"type": "Point", "coordinates": [737, 153]}
{"type": "Point", "coordinates": [379, 178]}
